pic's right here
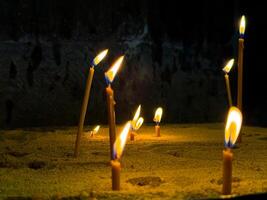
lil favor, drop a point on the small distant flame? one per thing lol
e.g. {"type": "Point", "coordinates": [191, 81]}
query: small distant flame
{"type": "Point", "coordinates": [121, 141]}
{"type": "Point", "coordinates": [233, 126]}
{"type": "Point", "coordinates": [95, 130]}
{"type": "Point", "coordinates": [111, 73]}
{"type": "Point", "coordinates": [137, 113]}
{"type": "Point", "coordinates": [229, 66]}
{"type": "Point", "coordinates": [139, 123]}
{"type": "Point", "coordinates": [242, 25]}
{"type": "Point", "coordinates": [100, 57]}
{"type": "Point", "coordinates": [158, 115]}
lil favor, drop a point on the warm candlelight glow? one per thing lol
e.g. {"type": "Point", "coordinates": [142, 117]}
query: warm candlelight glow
{"type": "Point", "coordinates": [121, 141]}
{"type": "Point", "coordinates": [96, 129]}
{"type": "Point", "coordinates": [111, 73]}
{"type": "Point", "coordinates": [100, 57]}
{"type": "Point", "coordinates": [242, 25]}
{"type": "Point", "coordinates": [139, 123]}
{"type": "Point", "coordinates": [158, 115]}
{"type": "Point", "coordinates": [229, 66]}
{"type": "Point", "coordinates": [136, 115]}
{"type": "Point", "coordinates": [233, 126]}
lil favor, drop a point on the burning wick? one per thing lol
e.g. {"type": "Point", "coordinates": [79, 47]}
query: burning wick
{"type": "Point", "coordinates": [94, 131]}
{"type": "Point", "coordinates": [232, 129]}
{"type": "Point", "coordinates": [227, 69]}
{"type": "Point", "coordinates": [118, 150]}
{"type": "Point", "coordinates": [110, 75]}
{"type": "Point", "coordinates": [157, 119]}
{"type": "Point", "coordinates": [86, 96]}
{"type": "Point", "coordinates": [136, 123]}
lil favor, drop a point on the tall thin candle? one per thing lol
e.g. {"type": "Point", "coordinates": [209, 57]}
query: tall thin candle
{"type": "Point", "coordinates": [240, 62]}
{"type": "Point", "coordinates": [86, 96]}
{"type": "Point", "coordinates": [227, 69]}
{"type": "Point", "coordinates": [110, 75]}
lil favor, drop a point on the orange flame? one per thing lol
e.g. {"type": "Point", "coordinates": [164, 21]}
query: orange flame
{"type": "Point", "coordinates": [121, 141]}
{"type": "Point", "coordinates": [229, 66]}
{"type": "Point", "coordinates": [158, 114]}
{"type": "Point", "coordinates": [137, 121]}
{"type": "Point", "coordinates": [100, 57]}
{"type": "Point", "coordinates": [233, 126]}
{"type": "Point", "coordinates": [111, 73]}
{"type": "Point", "coordinates": [95, 130]}
{"type": "Point", "coordinates": [242, 25]}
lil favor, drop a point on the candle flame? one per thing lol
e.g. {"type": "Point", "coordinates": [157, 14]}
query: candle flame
{"type": "Point", "coordinates": [233, 126]}
{"type": "Point", "coordinates": [229, 66]}
{"type": "Point", "coordinates": [111, 73]}
{"type": "Point", "coordinates": [100, 57]}
{"type": "Point", "coordinates": [121, 141]}
{"type": "Point", "coordinates": [242, 25]}
{"type": "Point", "coordinates": [158, 114]}
{"type": "Point", "coordinates": [96, 129]}
{"type": "Point", "coordinates": [139, 123]}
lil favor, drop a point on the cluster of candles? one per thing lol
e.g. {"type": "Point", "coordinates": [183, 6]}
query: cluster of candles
{"type": "Point", "coordinates": [234, 119]}
{"type": "Point", "coordinates": [232, 128]}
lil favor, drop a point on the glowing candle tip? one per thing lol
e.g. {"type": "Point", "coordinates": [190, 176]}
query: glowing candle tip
{"type": "Point", "coordinates": [233, 126]}
{"type": "Point", "coordinates": [111, 73]}
{"type": "Point", "coordinates": [121, 141]}
{"type": "Point", "coordinates": [99, 57]}
{"type": "Point", "coordinates": [242, 26]}
{"type": "Point", "coordinates": [158, 115]}
{"type": "Point", "coordinates": [229, 66]}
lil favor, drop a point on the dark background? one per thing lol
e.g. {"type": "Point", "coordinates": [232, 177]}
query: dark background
{"type": "Point", "coordinates": [190, 22]}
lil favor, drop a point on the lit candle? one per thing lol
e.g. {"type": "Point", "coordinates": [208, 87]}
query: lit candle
{"type": "Point", "coordinates": [94, 131]}
{"type": "Point", "coordinates": [136, 123]}
{"type": "Point", "coordinates": [118, 150]}
{"type": "Point", "coordinates": [227, 69]}
{"type": "Point", "coordinates": [157, 118]}
{"type": "Point", "coordinates": [240, 62]}
{"type": "Point", "coordinates": [95, 62]}
{"type": "Point", "coordinates": [110, 75]}
{"type": "Point", "coordinates": [232, 129]}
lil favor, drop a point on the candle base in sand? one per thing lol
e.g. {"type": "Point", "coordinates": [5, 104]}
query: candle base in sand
{"type": "Point", "coordinates": [115, 170]}
{"type": "Point", "coordinates": [157, 130]}
{"type": "Point", "coordinates": [227, 171]}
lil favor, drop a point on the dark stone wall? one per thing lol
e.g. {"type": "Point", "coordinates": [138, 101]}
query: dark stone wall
{"type": "Point", "coordinates": [174, 55]}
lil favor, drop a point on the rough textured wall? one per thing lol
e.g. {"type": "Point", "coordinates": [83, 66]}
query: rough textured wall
{"type": "Point", "coordinates": [43, 83]}
{"type": "Point", "coordinates": [46, 48]}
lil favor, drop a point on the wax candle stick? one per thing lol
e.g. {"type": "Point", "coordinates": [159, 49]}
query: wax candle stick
{"type": "Point", "coordinates": [157, 130]}
{"type": "Point", "coordinates": [157, 119]}
{"type": "Point", "coordinates": [132, 134]}
{"type": "Point", "coordinates": [227, 171]}
{"type": "Point", "coordinates": [111, 118]}
{"type": "Point", "coordinates": [86, 96]}
{"type": "Point", "coordinates": [110, 75]}
{"type": "Point", "coordinates": [227, 69]}
{"type": "Point", "coordinates": [136, 123]}
{"type": "Point", "coordinates": [116, 169]}
{"type": "Point", "coordinates": [118, 150]}
{"type": "Point", "coordinates": [240, 62]}
{"type": "Point", "coordinates": [242, 27]}
{"type": "Point", "coordinates": [232, 130]}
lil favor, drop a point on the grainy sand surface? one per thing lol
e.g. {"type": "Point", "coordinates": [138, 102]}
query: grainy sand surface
{"type": "Point", "coordinates": [184, 163]}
